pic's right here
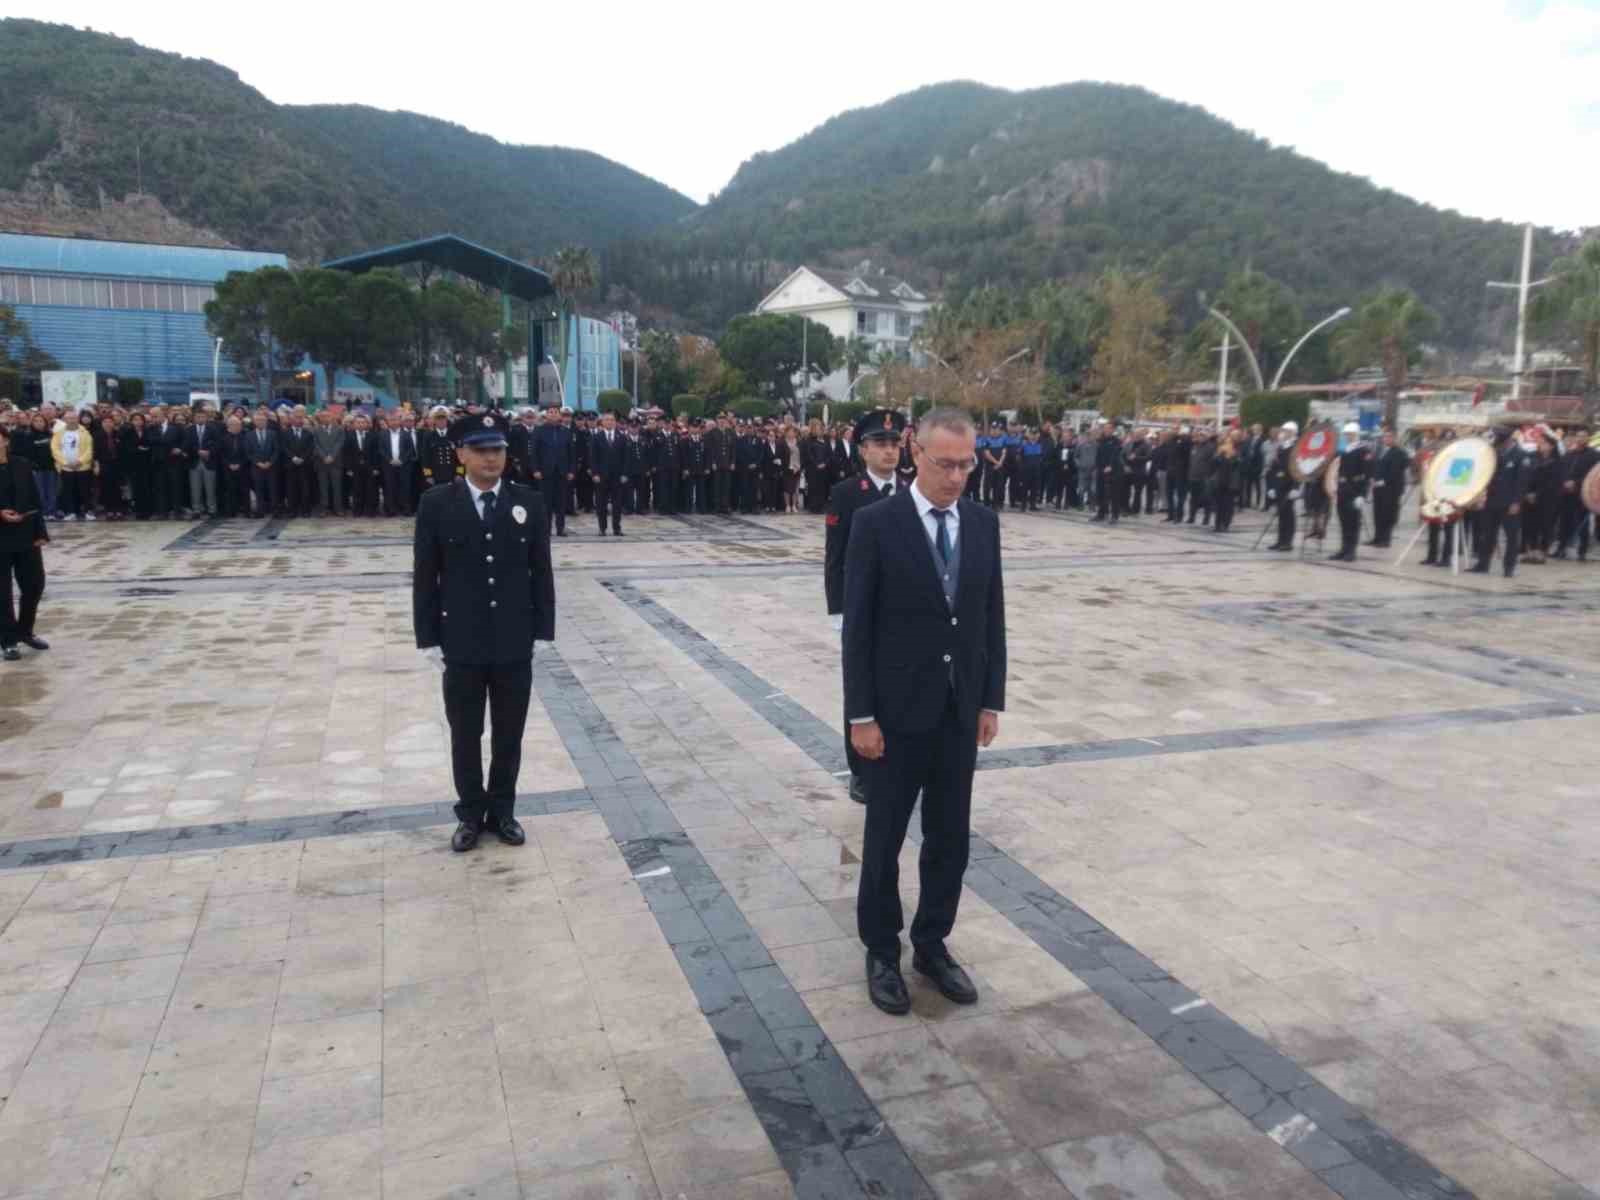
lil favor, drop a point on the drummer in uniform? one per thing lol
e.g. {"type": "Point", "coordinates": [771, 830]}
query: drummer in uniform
{"type": "Point", "coordinates": [1355, 480]}
{"type": "Point", "coordinates": [878, 437]}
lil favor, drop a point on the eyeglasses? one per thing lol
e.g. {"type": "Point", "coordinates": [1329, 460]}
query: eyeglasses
{"type": "Point", "coordinates": [961, 466]}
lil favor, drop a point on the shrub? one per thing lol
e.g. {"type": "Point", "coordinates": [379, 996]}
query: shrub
{"type": "Point", "coordinates": [1274, 408]}
{"type": "Point", "coordinates": [614, 400]}
{"type": "Point", "coordinates": [687, 404]}
{"type": "Point", "coordinates": [753, 406]}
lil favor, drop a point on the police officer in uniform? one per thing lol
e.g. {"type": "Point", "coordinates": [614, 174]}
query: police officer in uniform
{"type": "Point", "coordinates": [438, 451]}
{"type": "Point", "coordinates": [1355, 478]}
{"type": "Point", "coordinates": [878, 435]}
{"type": "Point", "coordinates": [1502, 504]}
{"type": "Point", "coordinates": [482, 594]}
{"type": "Point", "coordinates": [1281, 486]}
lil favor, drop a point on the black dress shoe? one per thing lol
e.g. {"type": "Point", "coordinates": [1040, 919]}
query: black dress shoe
{"type": "Point", "coordinates": [10, 654]}
{"type": "Point", "coordinates": [858, 790]}
{"type": "Point", "coordinates": [886, 986]}
{"type": "Point", "coordinates": [1481, 569]}
{"type": "Point", "coordinates": [508, 831]}
{"type": "Point", "coordinates": [464, 838]}
{"type": "Point", "coordinates": [38, 643]}
{"type": "Point", "coordinates": [946, 975]}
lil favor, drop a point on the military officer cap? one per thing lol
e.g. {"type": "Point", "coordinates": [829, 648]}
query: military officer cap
{"type": "Point", "coordinates": [438, 410]}
{"type": "Point", "coordinates": [486, 436]}
{"type": "Point", "coordinates": [880, 423]}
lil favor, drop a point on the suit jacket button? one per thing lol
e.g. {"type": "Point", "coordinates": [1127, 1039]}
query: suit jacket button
{"type": "Point", "coordinates": [488, 537]}
{"type": "Point", "coordinates": [491, 581]}
{"type": "Point", "coordinates": [488, 558]}
{"type": "Point", "coordinates": [947, 658]}
{"type": "Point", "coordinates": [953, 621]}
{"type": "Point", "coordinates": [496, 604]}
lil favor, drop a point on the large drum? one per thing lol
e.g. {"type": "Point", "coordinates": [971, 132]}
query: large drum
{"type": "Point", "coordinates": [1317, 447]}
{"type": "Point", "coordinates": [1459, 474]}
{"type": "Point", "coordinates": [1590, 489]}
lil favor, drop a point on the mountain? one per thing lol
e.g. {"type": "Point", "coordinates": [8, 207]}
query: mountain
{"type": "Point", "coordinates": [960, 184]}
{"type": "Point", "coordinates": [104, 135]}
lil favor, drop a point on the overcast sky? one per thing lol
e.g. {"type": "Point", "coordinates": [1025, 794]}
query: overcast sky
{"type": "Point", "coordinates": [1491, 107]}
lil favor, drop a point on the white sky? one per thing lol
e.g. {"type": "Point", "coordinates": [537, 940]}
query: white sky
{"type": "Point", "coordinates": [1491, 107]}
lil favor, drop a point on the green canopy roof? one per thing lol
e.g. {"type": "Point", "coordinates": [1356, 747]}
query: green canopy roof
{"type": "Point", "coordinates": [461, 256]}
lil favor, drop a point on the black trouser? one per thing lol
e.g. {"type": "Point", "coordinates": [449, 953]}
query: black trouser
{"type": "Point", "coordinates": [1177, 489]}
{"type": "Point", "coordinates": [264, 484]}
{"type": "Point", "coordinates": [994, 485]}
{"type": "Point", "coordinates": [1199, 501]}
{"type": "Point", "coordinates": [1106, 500]}
{"type": "Point", "coordinates": [1441, 543]}
{"type": "Point", "coordinates": [816, 491]}
{"type": "Point", "coordinates": [397, 499]}
{"type": "Point", "coordinates": [361, 488]}
{"type": "Point", "coordinates": [1487, 531]}
{"type": "Point", "coordinates": [1014, 484]}
{"type": "Point", "coordinates": [1574, 525]}
{"type": "Point", "coordinates": [1285, 503]}
{"type": "Point", "coordinates": [641, 492]}
{"type": "Point", "coordinates": [1349, 525]}
{"type": "Point", "coordinates": [1385, 514]}
{"type": "Point", "coordinates": [975, 482]}
{"type": "Point", "coordinates": [230, 491]}
{"type": "Point", "coordinates": [77, 495]}
{"type": "Point", "coordinates": [772, 489]}
{"type": "Point", "coordinates": [1031, 486]}
{"type": "Point", "coordinates": [666, 491]}
{"type": "Point", "coordinates": [938, 764]}
{"type": "Point", "coordinates": [608, 495]}
{"type": "Point", "coordinates": [177, 473]}
{"type": "Point", "coordinates": [583, 493]}
{"type": "Point", "coordinates": [722, 490]}
{"type": "Point", "coordinates": [749, 490]}
{"type": "Point", "coordinates": [506, 687]}
{"type": "Point", "coordinates": [1252, 491]}
{"type": "Point", "coordinates": [27, 565]}
{"type": "Point", "coordinates": [554, 485]}
{"type": "Point", "coordinates": [1224, 509]}
{"type": "Point", "coordinates": [1135, 496]}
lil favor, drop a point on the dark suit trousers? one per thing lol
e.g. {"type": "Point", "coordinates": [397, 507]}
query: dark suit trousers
{"type": "Point", "coordinates": [1385, 513]}
{"type": "Point", "coordinates": [28, 567]}
{"type": "Point", "coordinates": [608, 497]}
{"type": "Point", "coordinates": [397, 499]}
{"type": "Point", "coordinates": [555, 487]}
{"type": "Point", "coordinates": [939, 764]}
{"type": "Point", "coordinates": [505, 687]}
{"type": "Point", "coordinates": [264, 483]}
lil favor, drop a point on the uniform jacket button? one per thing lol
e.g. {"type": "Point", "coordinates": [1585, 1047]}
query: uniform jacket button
{"type": "Point", "coordinates": [488, 558]}
{"type": "Point", "coordinates": [947, 658]}
{"type": "Point", "coordinates": [491, 581]}
{"type": "Point", "coordinates": [496, 604]}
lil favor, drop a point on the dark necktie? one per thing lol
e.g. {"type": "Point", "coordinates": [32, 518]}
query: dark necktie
{"type": "Point", "coordinates": [488, 509]}
{"type": "Point", "coordinates": [943, 540]}
{"type": "Point", "coordinates": [888, 489]}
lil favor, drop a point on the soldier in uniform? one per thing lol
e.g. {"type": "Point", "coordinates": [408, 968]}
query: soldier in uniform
{"type": "Point", "coordinates": [1576, 464]}
{"type": "Point", "coordinates": [747, 465]}
{"type": "Point", "coordinates": [1281, 486]}
{"type": "Point", "coordinates": [692, 463]}
{"type": "Point", "coordinates": [438, 451]}
{"type": "Point", "coordinates": [501, 608]}
{"type": "Point", "coordinates": [663, 466]}
{"type": "Point", "coordinates": [1502, 504]}
{"type": "Point", "coordinates": [878, 434]}
{"type": "Point", "coordinates": [1355, 480]}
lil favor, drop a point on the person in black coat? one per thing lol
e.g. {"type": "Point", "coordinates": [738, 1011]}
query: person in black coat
{"type": "Point", "coordinates": [554, 460]}
{"type": "Point", "coordinates": [815, 456]}
{"type": "Point", "coordinates": [747, 466]}
{"type": "Point", "coordinates": [299, 457]}
{"type": "Point", "coordinates": [1280, 484]}
{"type": "Point", "coordinates": [396, 450]}
{"type": "Point", "coordinates": [611, 465]}
{"type": "Point", "coordinates": [1355, 480]}
{"type": "Point", "coordinates": [1576, 464]}
{"type": "Point", "coordinates": [924, 654]}
{"type": "Point", "coordinates": [482, 594]}
{"type": "Point", "coordinates": [1543, 506]}
{"type": "Point", "coordinates": [262, 451]}
{"type": "Point", "coordinates": [233, 470]}
{"type": "Point", "coordinates": [1108, 475]}
{"type": "Point", "coordinates": [22, 539]}
{"type": "Point", "coordinates": [1502, 504]}
{"type": "Point", "coordinates": [361, 468]}
{"type": "Point", "coordinates": [1388, 488]}
{"type": "Point", "coordinates": [878, 434]}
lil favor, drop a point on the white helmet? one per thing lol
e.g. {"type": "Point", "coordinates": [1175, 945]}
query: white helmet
{"type": "Point", "coordinates": [1351, 427]}
{"type": "Point", "coordinates": [1290, 427]}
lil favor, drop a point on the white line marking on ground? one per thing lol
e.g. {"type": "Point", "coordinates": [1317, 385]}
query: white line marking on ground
{"type": "Point", "coordinates": [1193, 1004]}
{"type": "Point", "coordinates": [653, 874]}
{"type": "Point", "coordinates": [1293, 1130]}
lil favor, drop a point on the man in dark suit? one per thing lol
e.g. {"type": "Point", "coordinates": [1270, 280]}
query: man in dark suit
{"type": "Point", "coordinates": [554, 466]}
{"type": "Point", "coordinates": [1388, 486]}
{"type": "Point", "coordinates": [1355, 476]}
{"type": "Point", "coordinates": [609, 467]}
{"type": "Point", "coordinates": [299, 465]}
{"type": "Point", "coordinates": [261, 451]}
{"type": "Point", "coordinates": [397, 460]}
{"type": "Point", "coordinates": [482, 553]}
{"type": "Point", "coordinates": [360, 468]}
{"type": "Point", "coordinates": [22, 539]}
{"type": "Point", "coordinates": [878, 433]}
{"type": "Point", "coordinates": [924, 684]}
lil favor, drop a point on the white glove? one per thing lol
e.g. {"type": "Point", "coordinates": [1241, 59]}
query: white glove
{"type": "Point", "coordinates": [837, 621]}
{"type": "Point", "coordinates": [1360, 503]}
{"type": "Point", "coordinates": [1295, 495]}
{"type": "Point", "coordinates": [434, 657]}
{"type": "Point", "coordinates": [1271, 495]}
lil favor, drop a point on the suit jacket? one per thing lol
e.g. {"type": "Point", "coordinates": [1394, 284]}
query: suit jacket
{"type": "Point", "coordinates": [611, 460]}
{"type": "Point", "coordinates": [847, 498]}
{"type": "Point", "coordinates": [1391, 471]}
{"type": "Point", "coordinates": [173, 440]}
{"type": "Point", "coordinates": [553, 452]}
{"type": "Point", "coordinates": [18, 491]}
{"type": "Point", "coordinates": [298, 443]}
{"type": "Point", "coordinates": [261, 445]}
{"type": "Point", "coordinates": [408, 449]}
{"type": "Point", "coordinates": [484, 596]}
{"type": "Point", "coordinates": [194, 441]}
{"type": "Point", "coordinates": [363, 456]}
{"type": "Point", "coordinates": [903, 645]}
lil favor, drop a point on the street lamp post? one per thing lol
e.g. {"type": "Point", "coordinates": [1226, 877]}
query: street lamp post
{"type": "Point", "coordinates": [561, 385]}
{"type": "Point", "coordinates": [1523, 288]}
{"type": "Point", "coordinates": [1304, 338]}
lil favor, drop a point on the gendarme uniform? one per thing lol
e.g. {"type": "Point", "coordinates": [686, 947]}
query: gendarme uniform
{"type": "Point", "coordinates": [847, 498]}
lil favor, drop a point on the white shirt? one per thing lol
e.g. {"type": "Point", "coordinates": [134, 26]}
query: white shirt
{"type": "Point", "coordinates": [883, 483]}
{"type": "Point", "coordinates": [925, 507]}
{"type": "Point", "coordinates": [477, 495]}
{"type": "Point", "coordinates": [394, 445]}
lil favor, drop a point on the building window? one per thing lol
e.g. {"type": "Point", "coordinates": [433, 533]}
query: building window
{"type": "Point", "coordinates": [863, 321]}
{"type": "Point", "coordinates": [902, 325]}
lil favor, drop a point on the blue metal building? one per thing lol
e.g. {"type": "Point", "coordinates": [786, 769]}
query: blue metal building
{"type": "Point", "coordinates": [129, 309]}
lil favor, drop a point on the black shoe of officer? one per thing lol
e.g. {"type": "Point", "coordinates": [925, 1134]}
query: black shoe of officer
{"type": "Point", "coordinates": [858, 790]}
{"type": "Point", "coordinates": [10, 653]}
{"type": "Point", "coordinates": [464, 838]}
{"type": "Point", "coordinates": [886, 987]}
{"type": "Point", "coordinates": [953, 983]}
{"type": "Point", "coordinates": [508, 830]}
{"type": "Point", "coordinates": [1430, 561]}
{"type": "Point", "coordinates": [1480, 569]}
{"type": "Point", "coordinates": [38, 643]}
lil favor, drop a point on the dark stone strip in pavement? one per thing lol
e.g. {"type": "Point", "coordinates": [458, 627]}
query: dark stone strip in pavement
{"type": "Point", "coordinates": [1330, 1137]}
{"type": "Point", "coordinates": [179, 839]}
{"type": "Point", "coordinates": [809, 1103]}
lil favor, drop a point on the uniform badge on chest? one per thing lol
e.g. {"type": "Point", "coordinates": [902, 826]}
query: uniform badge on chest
{"type": "Point", "coordinates": [519, 514]}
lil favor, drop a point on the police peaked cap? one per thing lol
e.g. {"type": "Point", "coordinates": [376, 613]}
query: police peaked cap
{"type": "Point", "coordinates": [485, 437]}
{"type": "Point", "coordinates": [880, 422]}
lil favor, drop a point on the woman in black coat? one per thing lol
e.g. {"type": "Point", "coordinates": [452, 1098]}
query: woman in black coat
{"type": "Point", "coordinates": [108, 469]}
{"type": "Point", "coordinates": [142, 453]}
{"type": "Point", "coordinates": [233, 471]}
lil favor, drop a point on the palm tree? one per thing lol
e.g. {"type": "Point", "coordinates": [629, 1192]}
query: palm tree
{"type": "Point", "coordinates": [572, 271]}
{"type": "Point", "coordinates": [1389, 328]}
{"type": "Point", "coordinates": [1571, 304]}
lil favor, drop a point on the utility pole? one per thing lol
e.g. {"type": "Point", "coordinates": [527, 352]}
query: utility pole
{"type": "Point", "coordinates": [1523, 288]}
{"type": "Point", "coordinates": [1222, 380]}
{"type": "Point", "coordinates": [805, 369]}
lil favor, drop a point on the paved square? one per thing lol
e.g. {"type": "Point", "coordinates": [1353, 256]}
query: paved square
{"type": "Point", "coordinates": [1281, 883]}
